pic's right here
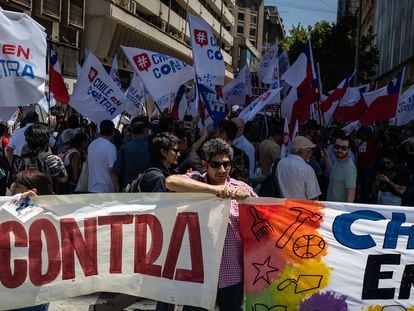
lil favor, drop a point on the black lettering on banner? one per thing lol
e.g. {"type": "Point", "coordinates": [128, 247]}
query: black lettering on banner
{"type": "Point", "coordinates": [373, 275]}
{"type": "Point", "coordinates": [407, 282]}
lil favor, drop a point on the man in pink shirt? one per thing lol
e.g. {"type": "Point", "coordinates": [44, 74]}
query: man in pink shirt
{"type": "Point", "coordinates": [216, 160]}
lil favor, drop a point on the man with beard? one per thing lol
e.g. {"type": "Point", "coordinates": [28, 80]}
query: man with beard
{"type": "Point", "coordinates": [342, 180]}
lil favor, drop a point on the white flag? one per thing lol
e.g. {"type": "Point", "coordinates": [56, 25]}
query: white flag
{"type": "Point", "coordinates": [44, 104]}
{"type": "Point", "coordinates": [208, 60]}
{"type": "Point", "coordinates": [285, 150]}
{"type": "Point", "coordinates": [234, 92]}
{"type": "Point", "coordinates": [268, 70]}
{"type": "Point", "coordinates": [135, 96]}
{"type": "Point", "coordinates": [270, 97]}
{"type": "Point", "coordinates": [23, 59]}
{"type": "Point", "coordinates": [96, 96]}
{"type": "Point", "coordinates": [114, 73]}
{"type": "Point", "coordinates": [405, 107]}
{"type": "Point", "coordinates": [161, 74]}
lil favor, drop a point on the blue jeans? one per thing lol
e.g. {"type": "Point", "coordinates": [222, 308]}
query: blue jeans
{"type": "Point", "coordinates": [228, 299]}
{"type": "Point", "coordinates": [42, 307]}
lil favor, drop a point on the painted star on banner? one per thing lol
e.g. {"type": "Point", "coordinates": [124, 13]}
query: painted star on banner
{"type": "Point", "coordinates": [263, 270]}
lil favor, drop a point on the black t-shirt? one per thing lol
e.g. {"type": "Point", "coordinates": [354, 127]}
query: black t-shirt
{"type": "Point", "coordinates": [401, 176]}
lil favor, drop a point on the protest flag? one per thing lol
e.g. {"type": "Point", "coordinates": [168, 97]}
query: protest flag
{"type": "Point", "coordinates": [135, 96]}
{"type": "Point", "coordinates": [382, 103]}
{"type": "Point", "coordinates": [285, 140]}
{"type": "Point", "coordinates": [234, 92]}
{"type": "Point", "coordinates": [23, 58]}
{"type": "Point", "coordinates": [337, 94]}
{"type": "Point", "coordinates": [405, 108]}
{"type": "Point", "coordinates": [267, 98]}
{"type": "Point", "coordinates": [207, 57]}
{"type": "Point", "coordinates": [96, 96]}
{"type": "Point", "coordinates": [157, 69]}
{"type": "Point", "coordinates": [352, 105]}
{"type": "Point", "coordinates": [114, 72]}
{"type": "Point", "coordinates": [300, 76]}
{"type": "Point", "coordinates": [180, 104]}
{"type": "Point", "coordinates": [56, 82]}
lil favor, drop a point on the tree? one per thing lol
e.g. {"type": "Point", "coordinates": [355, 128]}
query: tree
{"type": "Point", "coordinates": [334, 48]}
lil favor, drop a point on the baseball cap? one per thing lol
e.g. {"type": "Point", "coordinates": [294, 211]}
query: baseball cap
{"type": "Point", "coordinates": [301, 142]}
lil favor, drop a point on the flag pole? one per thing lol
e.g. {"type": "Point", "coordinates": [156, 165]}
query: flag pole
{"type": "Point", "coordinates": [49, 51]}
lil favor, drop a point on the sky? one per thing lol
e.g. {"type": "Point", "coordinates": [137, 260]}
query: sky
{"type": "Point", "coordinates": [305, 12]}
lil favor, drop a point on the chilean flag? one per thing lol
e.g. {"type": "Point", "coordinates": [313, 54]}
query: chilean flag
{"type": "Point", "coordinates": [56, 83]}
{"type": "Point", "coordinates": [352, 105]}
{"type": "Point", "coordinates": [180, 104]}
{"type": "Point", "coordinates": [382, 103]}
{"type": "Point", "coordinates": [337, 94]}
{"type": "Point", "coordinates": [300, 76]}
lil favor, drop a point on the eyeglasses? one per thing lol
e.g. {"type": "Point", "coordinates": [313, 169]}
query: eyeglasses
{"type": "Point", "coordinates": [215, 164]}
{"type": "Point", "coordinates": [176, 150]}
{"type": "Point", "coordinates": [339, 147]}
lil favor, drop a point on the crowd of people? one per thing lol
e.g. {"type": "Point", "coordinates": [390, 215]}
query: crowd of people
{"type": "Point", "coordinates": [372, 165]}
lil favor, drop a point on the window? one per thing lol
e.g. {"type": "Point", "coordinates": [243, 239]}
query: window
{"type": "Point", "coordinates": [240, 29]}
{"type": "Point", "coordinates": [253, 32]}
{"type": "Point", "coordinates": [253, 19]}
{"type": "Point", "coordinates": [240, 16]}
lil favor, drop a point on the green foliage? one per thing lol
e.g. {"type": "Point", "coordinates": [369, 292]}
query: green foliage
{"type": "Point", "coordinates": [334, 48]}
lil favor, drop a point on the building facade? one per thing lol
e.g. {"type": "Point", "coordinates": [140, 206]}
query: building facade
{"type": "Point", "coordinates": [273, 28]}
{"type": "Point", "coordinates": [102, 26]}
{"type": "Point", "coordinates": [248, 33]}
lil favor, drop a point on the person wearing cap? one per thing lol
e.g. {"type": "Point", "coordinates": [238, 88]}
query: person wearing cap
{"type": "Point", "coordinates": [343, 177]}
{"type": "Point", "coordinates": [296, 178]}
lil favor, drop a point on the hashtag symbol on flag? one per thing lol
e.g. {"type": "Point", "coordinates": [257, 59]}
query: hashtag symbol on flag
{"type": "Point", "coordinates": [142, 61]}
{"type": "Point", "coordinates": [201, 37]}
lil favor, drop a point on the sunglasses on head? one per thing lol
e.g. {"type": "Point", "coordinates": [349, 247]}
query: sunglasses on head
{"type": "Point", "coordinates": [339, 147]}
{"type": "Point", "coordinates": [215, 164]}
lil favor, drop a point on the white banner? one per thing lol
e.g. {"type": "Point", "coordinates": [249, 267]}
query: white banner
{"type": "Point", "coordinates": [207, 57]}
{"type": "Point", "coordinates": [161, 74]}
{"type": "Point", "coordinates": [79, 244]}
{"type": "Point", "coordinates": [23, 59]}
{"type": "Point", "coordinates": [332, 256]}
{"type": "Point", "coordinates": [270, 97]}
{"type": "Point", "coordinates": [405, 107]}
{"type": "Point", "coordinates": [96, 96]}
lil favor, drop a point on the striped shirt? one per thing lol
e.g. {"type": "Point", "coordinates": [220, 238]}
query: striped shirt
{"type": "Point", "coordinates": [231, 267]}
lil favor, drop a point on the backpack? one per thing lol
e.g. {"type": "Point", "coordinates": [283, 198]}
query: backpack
{"type": "Point", "coordinates": [270, 186]}
{"type": "Point", "coordinates": [135, 184]}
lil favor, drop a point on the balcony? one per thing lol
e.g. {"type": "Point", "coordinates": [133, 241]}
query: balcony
{"type": "Point", "coordinates": [51, 8]}
{"type": "Point", "coordinates": [24, 3]}
{"type": "Point", "coordinates": [68, 57]}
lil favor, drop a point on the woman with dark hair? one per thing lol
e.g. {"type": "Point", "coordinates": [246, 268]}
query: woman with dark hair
{"type": "Point", "coordinates": [31, 183]}
{"type": "Point", "coordinates": [72, 160]}
{"type": "Point", "coordinates": [164, 153]}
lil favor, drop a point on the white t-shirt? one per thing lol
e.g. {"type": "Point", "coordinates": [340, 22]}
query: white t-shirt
{"type": "Point", "coordinates": [296, 178]}
{"type": "Point", "coordinates": [18, 140]}
{"type": "Point", "coordinates": [244, 144]}
{"type": "Point", "coordinates": [101, 157]}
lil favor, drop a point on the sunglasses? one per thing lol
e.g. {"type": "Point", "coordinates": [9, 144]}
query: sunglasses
{"type": "Point", "coordinates": [215, 164]}
{"type": "Point", "coordinates": [339, 147]}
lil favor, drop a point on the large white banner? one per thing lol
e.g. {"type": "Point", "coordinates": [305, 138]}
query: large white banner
{"type": "Point", "coordinates": [327, 256]}
{"type": "Point", "coordinates": [207, 57]}
{"type": "Point", "coordinates": [165, 247]}
{"type": "Point", "coordinates": [96, 96]}
{"type": "Point", "coordinates": [22, 58]}
{"type": "Point", "coordinates": [161, 74]}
